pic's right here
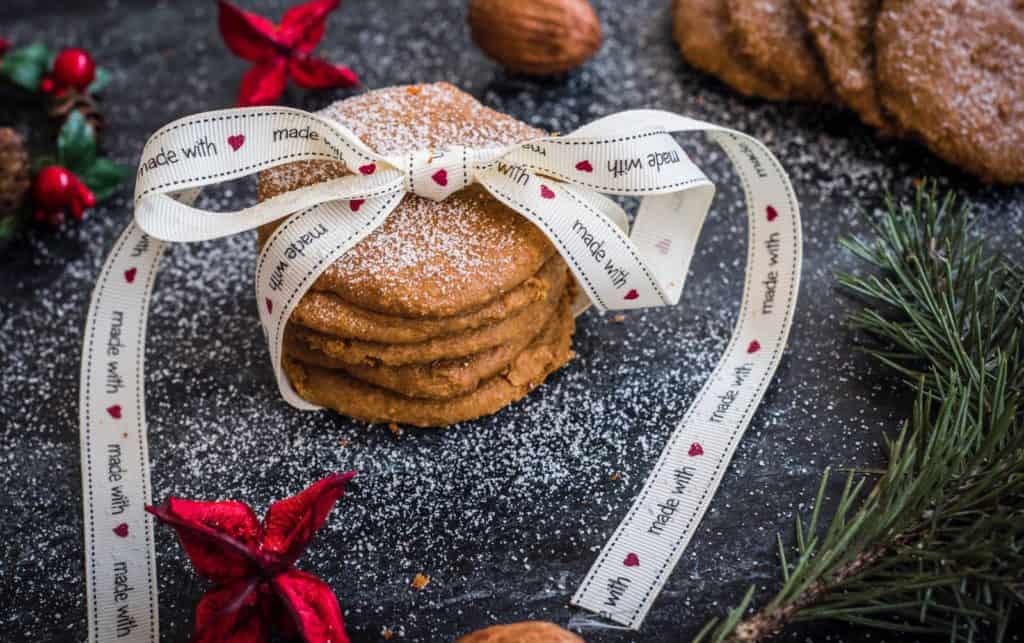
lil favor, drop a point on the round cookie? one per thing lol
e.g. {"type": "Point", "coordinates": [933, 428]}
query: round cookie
{"type": "Point", "coordinates": [359, 352]}
{"type": "Point", "coordinates": [701, 29]}
{"type": "Point", "coordinates": [327, 313]}
{"type": "Point", "coordinates": [429, 259]}
{"type": "Point", "coordinates": [952, 71]}
{"type": "Point", "coordinates": [844, 35]}
{"type": "Point", "coordinates": [349, 396]}
{"type": "Point", "coordinates": [772, 34]}
{"type": "Point", "coordinates": [439, 380]}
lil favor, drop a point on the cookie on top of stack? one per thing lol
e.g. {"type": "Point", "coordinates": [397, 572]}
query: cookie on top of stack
{"type": "Point", "coordinates": [449, 311]}
{"type": "Point", "coordinates": [948, 72]}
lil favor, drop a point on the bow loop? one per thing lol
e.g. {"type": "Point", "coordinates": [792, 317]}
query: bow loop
{"type": "Point", "coordinates": [641, 163]}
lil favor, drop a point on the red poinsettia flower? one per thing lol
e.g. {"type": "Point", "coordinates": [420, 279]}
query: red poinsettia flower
{"type": "Point", "coordinates": [251, 564]}
{"type": "Point", "coordinates": [281, 51]}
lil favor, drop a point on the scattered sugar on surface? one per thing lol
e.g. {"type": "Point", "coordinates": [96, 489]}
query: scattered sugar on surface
{"type": "Point", "coordinates": [505, 514]}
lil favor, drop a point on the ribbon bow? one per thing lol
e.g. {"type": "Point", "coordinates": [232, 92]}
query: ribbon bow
{"type": "Point", "coordinates": [559, 183]}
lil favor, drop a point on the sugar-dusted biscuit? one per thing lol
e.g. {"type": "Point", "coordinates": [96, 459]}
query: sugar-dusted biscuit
{"type": "Point", "coordinates": [701, 29]}
{"type": "Point", "coordinates": [772, 34]}
{"type": "Point", "coordinates": [333, 389]}
{"type": "Point", "coordinates": [952, 71]}
{"type": "Point", "coordinates": [358, 352]}
{"type": "Point", "coordinates": [327, 313]}
{"type": "Point", "coordinates": [437, 380]}
{"type": "Point", "coordinates": [844, 35]}
{"type": "Point", "coordinates": [429, 259]}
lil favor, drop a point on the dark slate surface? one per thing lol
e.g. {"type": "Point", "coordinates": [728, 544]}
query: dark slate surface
{"type": "Point", "coordinates": [505, 514]}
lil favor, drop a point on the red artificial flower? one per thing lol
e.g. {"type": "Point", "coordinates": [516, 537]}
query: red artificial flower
{"type": "Point", "coordinates": [251, 564]}
{"type": "Point", "coordinates": [281, 51]}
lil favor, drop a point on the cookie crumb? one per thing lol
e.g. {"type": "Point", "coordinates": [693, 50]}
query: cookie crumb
{"type": "Point", "coordinates": [420, 581]}
{"type": "Point", "coordinates": [618, 319]}
{"type": "Point", "coordinates": [387, 633]}
{"type": "Point", "coordinates": [395, 430]}
{"type": "Point", "coordinates": [344, 442]}
{"type": "Point", "coordinates": [616, 475]}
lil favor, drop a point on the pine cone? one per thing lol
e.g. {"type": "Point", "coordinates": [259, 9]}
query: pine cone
{"type": "Point", "coordinates": [71, 100]}
{"type": "Point", "coordinates": [15, 178]}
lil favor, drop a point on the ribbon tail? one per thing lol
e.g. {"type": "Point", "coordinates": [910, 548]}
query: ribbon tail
{"type": "Point", "coordinates": [112, 424]}
{"type": "Point", "coordinates": [327, 232]}
{"type": "Point", "coordinates": [634, 565]}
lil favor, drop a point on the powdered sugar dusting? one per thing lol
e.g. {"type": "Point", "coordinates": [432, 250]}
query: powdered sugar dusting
{"type": "Point", "coordinates": [401, 119]}
{"type": "Point", "coordinates": [429, 258]}
{"type": "Point", "coordinates": [434, 244]}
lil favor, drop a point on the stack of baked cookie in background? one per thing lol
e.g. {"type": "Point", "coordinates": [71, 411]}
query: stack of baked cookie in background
{"type": "Point", "coordinates": [948, 72]}
{"type": "Point", "coordinates": [449, 311]}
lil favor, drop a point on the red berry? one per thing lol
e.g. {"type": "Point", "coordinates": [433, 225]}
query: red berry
{"type": "Point", "coordinates": [52, 187]}
{"type": "Point", "coordinates": [74, 68]}
{"type": "Point", "coordinates": [46, 85]}
{"type": "Point", "coordinates": [55, 190]}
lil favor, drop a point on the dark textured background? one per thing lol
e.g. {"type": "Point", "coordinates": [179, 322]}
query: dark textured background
{"type": "Point", "coordinates": [505, 514]}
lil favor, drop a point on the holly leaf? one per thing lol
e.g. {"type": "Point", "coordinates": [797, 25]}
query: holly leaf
{"type": "Point", "coordinates": [103, 78]}
{"type": "Point", "coordinates": [76, 143]}
{"type": "Point", "coordinates": [26, 66]}
{"type": "Point", "coordinates": [104, 176]}
{"type": "Point", "coordinates": [9, 226]}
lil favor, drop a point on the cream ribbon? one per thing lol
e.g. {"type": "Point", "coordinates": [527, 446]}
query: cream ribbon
{"type": "Point", "coordinates": [558, 183]}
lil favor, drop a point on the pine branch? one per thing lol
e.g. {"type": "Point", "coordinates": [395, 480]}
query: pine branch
{"type": "Point", "coordinates": [936, 545]}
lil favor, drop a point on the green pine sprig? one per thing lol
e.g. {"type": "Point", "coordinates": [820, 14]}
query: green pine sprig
{"type": "Point", "coordinates": [935, 544]}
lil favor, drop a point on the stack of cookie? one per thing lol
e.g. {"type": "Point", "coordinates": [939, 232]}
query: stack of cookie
{"type": "Point", "coordinates": [449, 311]}
{"type": "Point", "coordinates": [950, 72]}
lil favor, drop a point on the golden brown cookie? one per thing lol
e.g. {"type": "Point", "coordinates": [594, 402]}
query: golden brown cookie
{"type": "Point", "coordinates": [429, 259]}
{"type": "Point", "coordinates": [701, 28]}
{"type": "Point", "coordinates": [772, 34]}
{"type": "Point", "coordinates": [333, 389]}
{"type": "Point", "coordinates": [438, 380]}
{"type": "Point", "coordinates": [844, 35]}
{"type": "Point", "coordinates": [358, 352]}
{"type": "Point", "coordinates": [524, 632]}
{"type": "Point", "coordinates": [327, 313]}
{"type": "Point", "coordinates": [952, 71]}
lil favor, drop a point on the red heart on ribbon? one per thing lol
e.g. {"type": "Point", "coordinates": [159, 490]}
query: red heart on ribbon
{"type": "Point", "coordinates": [129, 275]}
{"type": "Point", "coordinates": [114, 411]}
{"type": "Point", "coordinates": [632, 560]}
{"type": "Point", "coordinates": [368, 169]}
{"type": "Point", "coordinates": [236, 141]}
{"type": "Point", "coordinates": [584, 166]}
{"type": "Point", "coordinates": [122, 530]}
{"type": "Point", "coordinates": [632, 294]}
{"type": "Point", "coordinates": [546, 192]}
{"type": "Point", "coordinates": [355, 204]}
{"type": "Point", "coordinates": [270, 306]}
{"type": "Point", "coordinates": [440, 177]}
{"type": "Point", "coordinates": [771, 213]}
{"type": "Point", "coordinates": [754, 346]}
{"type": "Point", "coordinates": [695, 450]}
